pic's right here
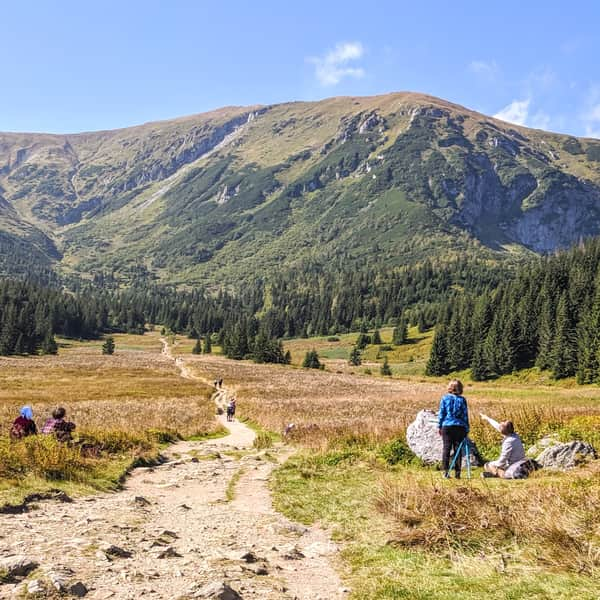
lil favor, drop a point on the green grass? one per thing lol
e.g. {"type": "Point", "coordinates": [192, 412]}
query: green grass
{"type": "Point", "coordinates": [231, 485]}
{"type": "Point", "coordinates": [341, 494]}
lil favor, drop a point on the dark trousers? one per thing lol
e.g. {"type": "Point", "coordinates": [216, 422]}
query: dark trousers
{"type": "Point", "coordinates": [452, 436]}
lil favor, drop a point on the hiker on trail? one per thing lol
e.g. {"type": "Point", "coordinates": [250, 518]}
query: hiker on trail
{"type": "Point", "coordinates": [512, 463]}
{"type": "Point", "coordinates": [453, 425]}
{"type": "Point", "coordinates": [221, 383]}
{"type": "Point", "coordinates": [23, 425]}
{"type": "Point", "coordinates": [58, 426]}
{"type": "Point", "coordinates": [231, 410]}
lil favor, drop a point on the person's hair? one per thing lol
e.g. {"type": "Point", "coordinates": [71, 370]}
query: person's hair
{"type": "Point", "coordinates": [59, 413]}
{"type": "Point", "coordinates": [455, 387]}
{"type": "Point", "coordinates": [507, 427]}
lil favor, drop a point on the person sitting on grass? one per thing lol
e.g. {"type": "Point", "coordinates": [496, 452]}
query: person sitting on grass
{"type": "Point", "coordinates": [453, 424]}
{"type": "Point", "coordinates": [23, 425]}
{"type": "Point", "coordinates": [58, 426]}
{"type": "Point", "coordinates": [512, 464]}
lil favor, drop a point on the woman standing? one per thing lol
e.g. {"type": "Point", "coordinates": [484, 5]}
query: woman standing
{"type": "Point", "coordinates": [453, 423]}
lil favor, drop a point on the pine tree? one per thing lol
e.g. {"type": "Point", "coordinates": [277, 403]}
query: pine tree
{"type": "Point", "coordinates": [49, 345]}
{"type": "Point", "coordinates": [355, 357]}
{"type": "Point", "coordinates": [385, 368]}
{"type": "Point", "coordinates": [197, 349]}
{"type": "Point", "coordinates": [376, 339]}
{"type": "Point", "coordinates": [438, 359]}
{"type": "Point", "coordinates": [311, 360]}
{"type": "Point", "coordinates": [564, 354]}
{"type": "Point", "coordinates": [207, 344]}
{"type": "Point", "coordinates": [545, 335]}
{"type": "Point", "coordinates": [400, 334]}
{"type": "Point", "coordinates": [109, 345]}
{"type": "Point", "coordinates": [362, 341]}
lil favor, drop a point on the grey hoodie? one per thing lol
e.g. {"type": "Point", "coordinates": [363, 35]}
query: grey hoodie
{"type": "Point", "coordinates": [512, 451]}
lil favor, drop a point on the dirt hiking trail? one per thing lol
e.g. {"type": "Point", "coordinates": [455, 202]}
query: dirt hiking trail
{"type": "Point", "coordinates": [176, 532]}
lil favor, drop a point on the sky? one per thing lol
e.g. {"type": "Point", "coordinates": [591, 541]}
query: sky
{"type": "Point", "coordinates": [88, 65]}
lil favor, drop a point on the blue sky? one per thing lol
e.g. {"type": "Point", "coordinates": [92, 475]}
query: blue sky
{"type": "Point", "coordinates": [74, 66]}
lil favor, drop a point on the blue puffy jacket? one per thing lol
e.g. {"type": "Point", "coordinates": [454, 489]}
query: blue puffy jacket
{"type": "Point", "coordinates": [453, 411]}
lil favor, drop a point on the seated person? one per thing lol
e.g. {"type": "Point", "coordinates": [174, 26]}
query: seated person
{"type": "Point", "coordinates": [23, 425]}
{"type": "Point", "coordinates": [512, 455]}
{"type": "Point", "coordinates": [58, 426]}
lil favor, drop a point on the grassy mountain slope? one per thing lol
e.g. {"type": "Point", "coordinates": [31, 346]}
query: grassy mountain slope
{"type": "Point", "coordinates": [227, 194]}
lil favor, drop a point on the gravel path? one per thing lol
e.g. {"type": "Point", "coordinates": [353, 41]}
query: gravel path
{"type": "Point", "coordinates": [175, 532]}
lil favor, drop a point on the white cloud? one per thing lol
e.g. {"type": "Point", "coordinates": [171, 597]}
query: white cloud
{"type": "Point", "coordinates": [516, 112]}
{"type": "Point", "coordinates": [483, 68]}
{"type": "Point", "coordinates": [591, 114]}
{"type": "Point", "coordinates": [331, 68]}
{"type": "Point", "coordinates": [540, 120]}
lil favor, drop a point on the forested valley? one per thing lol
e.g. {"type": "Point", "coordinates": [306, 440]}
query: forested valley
{"type": "Point", "coordinates": [491, 318]}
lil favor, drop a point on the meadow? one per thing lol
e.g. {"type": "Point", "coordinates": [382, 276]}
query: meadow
{"type": "Point", "coordinates": [405, 533]}
{"type": "Point", "coordinates": [125, 406]}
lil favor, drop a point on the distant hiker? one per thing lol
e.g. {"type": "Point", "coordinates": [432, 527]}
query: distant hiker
{"type": "Point", "coordinates": [23, 425]}
{"type": "Point", "coordinates": [512, 464]}
{"type": "Point", "coordinates": [58, 426]}
{"type": "Point", "coordinates": [231, 410]}
{"type": "Point", "coordinates": [216, 383]}
{"type": "Point", "coordinates": [288, 429]}
{"type": "Point", "coordinates": [453, 424]}
{"type": "Point", "coordinates": [221, 383]}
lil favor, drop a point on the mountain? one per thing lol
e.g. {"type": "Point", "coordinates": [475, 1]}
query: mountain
{"type": "Point", "coordinates": [224, 195]}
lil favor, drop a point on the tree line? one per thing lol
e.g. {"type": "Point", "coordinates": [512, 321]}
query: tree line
{"type": "Point", "coordinates": [547, 316]}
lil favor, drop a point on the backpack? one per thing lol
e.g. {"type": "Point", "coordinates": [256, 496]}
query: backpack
{"type": "Point", "coordinates": [520, 470]}
{"type": "Point", "coordinates": [17, 431]}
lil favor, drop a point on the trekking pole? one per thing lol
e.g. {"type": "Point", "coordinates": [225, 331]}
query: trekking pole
{"type": "Point", "coordinates": [456, 455]}
{"type": "Point", "coordinates": [468, 457]}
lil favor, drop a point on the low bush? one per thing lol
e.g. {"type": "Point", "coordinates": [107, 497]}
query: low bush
{"type": "Point", "coordinates": [554, 524]}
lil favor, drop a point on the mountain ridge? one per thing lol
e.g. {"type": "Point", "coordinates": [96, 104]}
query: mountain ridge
{"type": "Point", "coordinates": [240, 190]}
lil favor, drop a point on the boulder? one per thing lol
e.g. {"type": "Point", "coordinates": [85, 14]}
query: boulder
{"type": "Point", "coordinates": [548, 440]}
{"type": "Point", "coordinates": [13, 567]}
{"type": "Point", "coordinates": [563, 456]}
{"type": "Point", "coordinates": [424, 440]}
{"type": "Point", "coordinates": [217, 590]}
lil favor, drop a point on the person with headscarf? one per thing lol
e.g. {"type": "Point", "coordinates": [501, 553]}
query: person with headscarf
{"type": "Point", "coordinates": [23, 425]}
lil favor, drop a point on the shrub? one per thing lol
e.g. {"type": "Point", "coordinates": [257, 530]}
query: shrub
{"type": "Point", "coordinates": [397, 452]}
{"type": "Point", "coordinates": [262, 440]}
{"type": "Point", "coordinates": [333, 338]}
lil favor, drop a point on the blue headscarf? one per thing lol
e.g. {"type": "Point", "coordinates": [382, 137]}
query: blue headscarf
{"type": "Point", "coordinates": [27, 412]}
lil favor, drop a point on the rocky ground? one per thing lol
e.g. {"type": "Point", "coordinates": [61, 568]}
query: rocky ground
{"type": "Point", "coordinates": [183, 529]}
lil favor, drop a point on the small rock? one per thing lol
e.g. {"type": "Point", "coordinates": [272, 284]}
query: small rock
{"type": "Point", "coordinates": [293, 554]}
{"type": "Point", "coordinates": [257, 568]}
{"type": "Point", "coordinates": [141, 501]}
{"type": "Point", "coordinates": [185, 507]}
{"type": "Point", "coordinates": [78, 590]}
{"type": "Point", "coordinates": [217, 590]}
{"type": "Point", "coordinates": [35, 587]}
{"type": "Point", "coordinates": [249, 557]}
{"type": "Point", "coordinates": [112, 550]}
{"type": "Point", "coordinates": [169, 552]}
{"type": "Point", "coordinates": [195, 459]}
{"type": "Point", "coordinates": [16, 566]}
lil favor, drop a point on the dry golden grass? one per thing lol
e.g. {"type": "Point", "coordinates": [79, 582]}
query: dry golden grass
{"type": "Point", "coordinates": [552, 522]}
{"type": "Point", "coordinates": [132, 391]}
{"type": "Point", "coordinates": [326, 405]}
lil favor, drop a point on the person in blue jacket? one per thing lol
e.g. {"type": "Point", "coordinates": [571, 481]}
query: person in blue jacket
{"type": "Point", "coordinates": [453, 424]}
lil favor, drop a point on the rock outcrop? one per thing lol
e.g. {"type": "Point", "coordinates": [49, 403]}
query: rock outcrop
{"type": "Point", "coordinates": [564, 456]}
{"type": "Point", "coordinates": [424, 440]}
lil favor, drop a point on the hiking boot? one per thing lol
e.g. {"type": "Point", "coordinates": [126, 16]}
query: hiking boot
{"type": "Point", "coordinates": [446, 475]}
